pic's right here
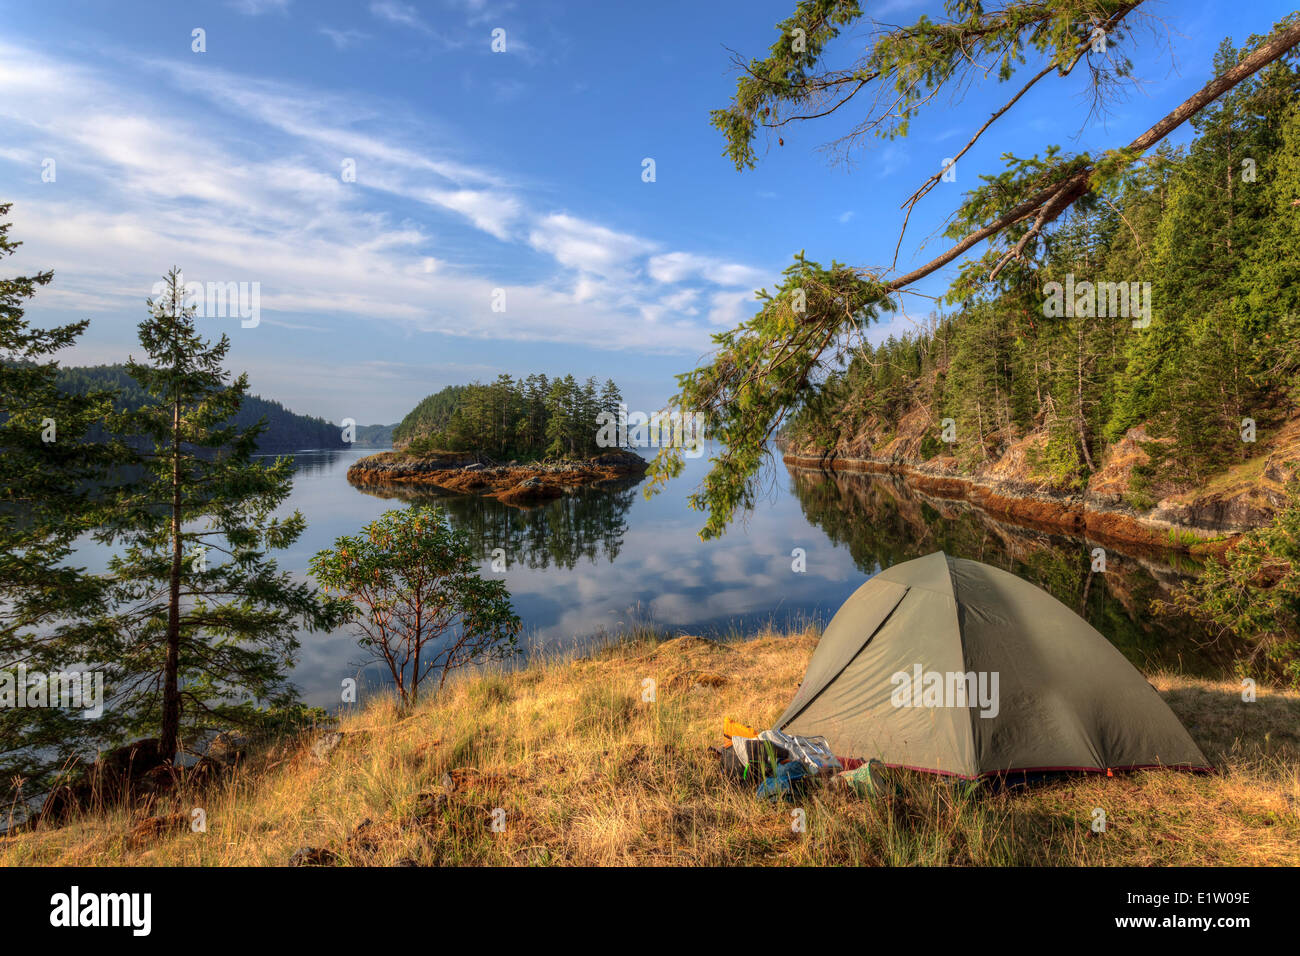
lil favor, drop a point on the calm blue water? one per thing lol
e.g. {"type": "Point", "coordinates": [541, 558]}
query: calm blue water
{"type": "Point", "coordinates": [600, 560]}
{"type": "Point", "coordinates": [593, 562]}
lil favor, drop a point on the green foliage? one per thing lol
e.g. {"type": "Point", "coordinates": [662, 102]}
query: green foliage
{"type": "Point", "coordinates": [1222, 345]}
{"type": "Point", "coordinates": [203, 624]}
{"type": "Point", "coordinates": [777, 365]}
{"type": "Point", "coordinates": [1224, 339]}
{"type": "Point", "coordinates": [416, 598]}
{"type": "Point", "coordinates": [1253, 594]}
{"type": "Point", "coordinates": [192, 627]}
{"type": "Point", "coordinates": [373, 436]}
{"type": "Point", "coordinates": [760, 370]}
{"type": "Point", "coordinates": [430, 415]}
{"type": "Point", "coordinates": [785, 76]}
{"type": "Point", "coordinates": [529, 418]}
{"type": "Point", "coordinates": [906, 66]}
{"type": "Point", "coordinates": [1022, 179]}
{"type": "Point", "coordinates": [285, 431]}
{"type": "Point", "coordinates": [49, 468]}
{"type": "Point", "coordinates": [1139, 495]}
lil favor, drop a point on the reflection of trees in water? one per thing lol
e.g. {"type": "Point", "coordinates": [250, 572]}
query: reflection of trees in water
{"type": "Point", "coordinates": [587, 524]}
{"type": "Point", "coordinates": [882, 521]}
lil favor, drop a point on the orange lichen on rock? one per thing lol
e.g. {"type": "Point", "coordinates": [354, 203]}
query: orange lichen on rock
{"type": "Point", "coordinates": [512, 484]}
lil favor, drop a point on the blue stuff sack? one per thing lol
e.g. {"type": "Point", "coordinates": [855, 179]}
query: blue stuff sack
{"type": "Point", "coordinates": [789, 778]}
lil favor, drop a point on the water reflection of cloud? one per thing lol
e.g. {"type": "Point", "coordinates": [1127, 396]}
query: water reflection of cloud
{"type": "Point", "coordinates": [662, 574]}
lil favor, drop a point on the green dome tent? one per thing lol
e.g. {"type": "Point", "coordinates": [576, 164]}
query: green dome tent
{"type": "Point", "coordinates": [955, 667]}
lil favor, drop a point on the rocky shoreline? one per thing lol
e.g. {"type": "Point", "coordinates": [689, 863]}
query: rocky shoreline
{"type": "Point", "coordinates": [511, 483]}
{"type": "Point", "coordinates": [1202, 519]}
{"type": "Point", "coordinates": [1102, 518]}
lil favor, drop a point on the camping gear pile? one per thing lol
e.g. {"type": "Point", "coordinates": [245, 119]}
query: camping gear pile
{"type": "Point", "coordinates": [953, 667]}
{"type": "Point", "coordinates": [781, 764]}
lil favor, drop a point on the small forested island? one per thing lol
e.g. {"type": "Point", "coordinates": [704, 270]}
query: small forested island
{"type": "Point", "coordinates": [522, 441]}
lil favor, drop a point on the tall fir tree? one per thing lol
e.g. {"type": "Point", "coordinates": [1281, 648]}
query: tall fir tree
{"type": "Point", "coordinates": [561, 422]}
{"type": "Point", "coordinates": [206, 623]}
{"type": "Point", "coordinates": [51, 477]}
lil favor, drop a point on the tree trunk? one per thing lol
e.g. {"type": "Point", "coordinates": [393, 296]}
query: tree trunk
{"type": "Point", "coordinates": [1083, 432]}
{"type": "Point", "coordinates": [171, 715]}
{"type": "Point", "coordinates": [1050, 202]}
{"type": "Point", "coordinates": [418, 640]}
{"type": "Point", "coordinates": [1087, 586]}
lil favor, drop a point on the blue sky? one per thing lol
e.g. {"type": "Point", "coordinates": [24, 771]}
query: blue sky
{"type": "Point", "coordinates": [475, 171]}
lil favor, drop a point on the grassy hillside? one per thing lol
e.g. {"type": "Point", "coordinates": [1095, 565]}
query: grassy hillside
{"type": "Point", "coordinates": [588, 774]}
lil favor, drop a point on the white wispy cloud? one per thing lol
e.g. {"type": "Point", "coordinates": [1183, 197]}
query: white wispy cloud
{"type": "Point", "coordinates": [493, 212]}
{"type": "Point", "coordinates": [238, 179]}
{"type": "Point", "coordinates": [343, 39]}
{"type": "Point", "coordinates": [255, 8]}
{"type": "Point", "coordinates": [587, 246]}
{"type": "Point", "coordinates": [478, 12]}
{"type": "Point", "coordinates": [400, 14]}
{"type": "Point", "coordinates": [679, 266]}
{"type": "Point", "coordinates": [729, 309]}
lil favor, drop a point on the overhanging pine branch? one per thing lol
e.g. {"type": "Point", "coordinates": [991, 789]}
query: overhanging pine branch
{"type": "Point", "coordinates": [1049, 203]}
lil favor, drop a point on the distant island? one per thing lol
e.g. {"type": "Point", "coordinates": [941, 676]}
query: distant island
{"type": "Point", "coordinates": [374, 436]}
{"type": "Point", "coordinates": [522, 441]}
{"type": "Point", "coordinates": [286, 431]}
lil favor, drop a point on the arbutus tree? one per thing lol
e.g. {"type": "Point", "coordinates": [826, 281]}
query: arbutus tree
{"type": "Point", "coordinates": [416, 598]}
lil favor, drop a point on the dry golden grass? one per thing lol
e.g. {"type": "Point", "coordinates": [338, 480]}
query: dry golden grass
{"type": "Point", "coordinates": [588, 773]}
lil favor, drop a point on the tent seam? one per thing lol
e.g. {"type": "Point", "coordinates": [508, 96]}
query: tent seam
{"type": "Point", "coordinates": [961, 637]}
{"type": "Point", "coordinates": [836, 676]}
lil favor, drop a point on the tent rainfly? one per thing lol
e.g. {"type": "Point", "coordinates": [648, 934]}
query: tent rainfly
{"type": "Point", "coordinates": [955, 667]}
